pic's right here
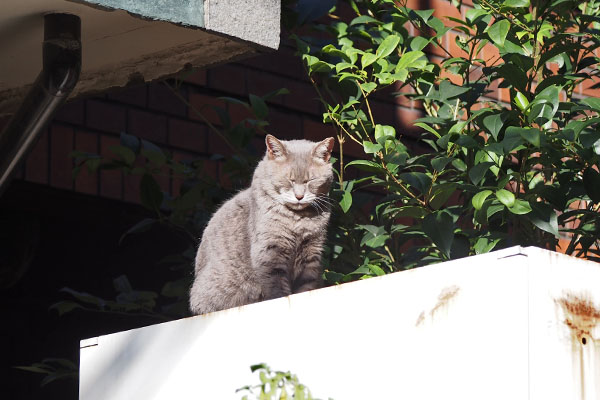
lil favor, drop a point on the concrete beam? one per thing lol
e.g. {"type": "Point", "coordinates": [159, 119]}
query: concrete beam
{"type": "Point", "coordinates": [134, 41]}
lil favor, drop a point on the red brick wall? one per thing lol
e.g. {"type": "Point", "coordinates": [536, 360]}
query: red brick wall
{"type": "Point", "coordinates": [153, 112]}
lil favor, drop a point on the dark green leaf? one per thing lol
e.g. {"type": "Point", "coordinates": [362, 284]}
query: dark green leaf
{"type": "Point", "coordinates": [439, 227]}
{"type": "Point", "coordinates": [493, 123]}
{"type": "Point", "coordinates": [259, 107]}
{"type": "Point", "coordinates": [544, 217]}
{"type": "Point", "coordinates": [591, 182]}
{"type": "Point", "coordinates": [441, 193]}
{"type": "Point", "coordinates": [477, 173]}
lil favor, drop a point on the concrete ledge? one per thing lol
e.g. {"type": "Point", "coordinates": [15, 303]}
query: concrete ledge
{"type": "Point", "coordinates": [133, 41]}
{"type": "Point", "coordinates": [521, 323]}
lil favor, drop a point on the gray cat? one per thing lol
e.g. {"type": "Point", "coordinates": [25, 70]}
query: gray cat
{"type": "Point", "coordinates": [266, 241]}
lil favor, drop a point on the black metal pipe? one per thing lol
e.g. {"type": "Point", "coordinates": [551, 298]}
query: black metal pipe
{"type": "Point", "coordinates": [60, 73]}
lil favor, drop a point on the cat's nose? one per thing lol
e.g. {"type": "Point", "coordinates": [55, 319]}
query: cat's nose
{"type": "Point", "coordinates": [299, 196]}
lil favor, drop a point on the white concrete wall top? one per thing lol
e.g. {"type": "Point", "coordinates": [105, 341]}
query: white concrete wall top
{"type": "Point", "coordinates": [133, 40]}
{"type": "Point", "coordinates": [521, 323]}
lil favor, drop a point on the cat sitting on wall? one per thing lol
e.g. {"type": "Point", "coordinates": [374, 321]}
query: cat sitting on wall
{"type": "Point", "coordinates": [266, 241]}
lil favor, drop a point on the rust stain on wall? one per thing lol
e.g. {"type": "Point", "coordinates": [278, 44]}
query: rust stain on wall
{"type": "Point", "coordinates": [444, 298]}
{"type": "Point", "coordinates": [581, 315]}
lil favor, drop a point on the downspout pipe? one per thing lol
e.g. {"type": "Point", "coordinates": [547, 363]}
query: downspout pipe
{"type": "Point", "coordinates": [61, 67]}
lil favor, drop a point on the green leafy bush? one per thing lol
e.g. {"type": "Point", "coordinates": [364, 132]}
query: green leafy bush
{"type": "Point", "coordinates": [275, 385]}
{"type": "Point", "coordinates": [482, 173]}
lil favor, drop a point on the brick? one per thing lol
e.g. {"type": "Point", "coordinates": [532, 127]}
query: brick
{"type": "Point", "coordinates": [284, 125]}
{"type": "Point", "coordinates": [133, 95]}
{"type": "Point", "coordinates": [201, 103]}
{"type": "Point", "coordinates": [405, 119]}
{"type": "Point", "coordinates": [283, 62]}
{"type": "Point", "coordinates": [86, 182]}
{"type": "Point", "coordinates": [260, 83]}
{"type": "Point", "coordinates": [302, 97]}
{"type": "Point", "coordinates": [61, 164]}
{"type": "Point", "coordinates": [188, 135]}
{"type": "Point", "coordinates": [131, 188]}
{"type": "Point", "coordinates": [106, 117]}
{"type": "Point", "coordinates": [383, 113]}
{"type": "Point", "coordinates": [72, 112]}
{"type": "Point", "coordinates": [111, 181]}
{"type": "Point", "coordinates": [238, 113]}
{"type": "Point", "coordinates": [216, 144]}
{"type": "Point", "coordinates": [587, 90]}
{"type": "Point", "coordinates": [150, 126]}
{"type": "Point", "coordinates": [161, 98]}
{"type": "Point", "coordinates": [194, 76]}
{"type": "Point", "coordinates": [445, 9]}
{"type": "Point", "coordinates": [36, 164]}
{"type": "Point", "coordinates": [228, 78]}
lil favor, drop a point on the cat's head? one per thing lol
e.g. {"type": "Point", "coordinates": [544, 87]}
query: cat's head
{"type": "Point", "coordinates": [297, 173]}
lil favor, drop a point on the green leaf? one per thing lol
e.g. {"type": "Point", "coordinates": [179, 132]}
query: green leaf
{"type": "Point", "coordinates": [592, 102]}
{"type": "Point", "coordinates": [532, 135]}
{"type": "Point", "coordinates": [493, 123]}
{"type": "Point", "coordinates": [259, 107]}
{"type": "Point", "coordinates": [477, 173]}
{"type": "Point", "coordinates": [151, 196]}
{"type": "Point", "coordinates": [521, 101]}
{"type": "Point", "coordinates": [346, 201]}
{"type": "Point", "coordinates": [591, 183]}
{"type": "Point", "coordinates": [498, 31]}
{"type": "Point", "coordinates": [516, 3]}
{"type": "Point", "coordinates": [441, 193]}
{"type": "Point", "coordinates": [520, 207]}
{"type": "Point", "coordinates": [507, 198]}
{"type": "Point", "coordinates": [368, 59]}
{"type": "Point", "coordinates": [428, 129]}
{"type": "Point", "coordinates": [411, 59]}
{"type": "Point", "coordinates": [366, 165]}
{"type": "Point", "coordinates": [545, 105]}
{"type": "Point", "coordinates": [388, 45]}
{"type": "Point", "coordinates": [479, 198]}
{"type": "Point", "coordinates": [439, 227]}
{"type": "Point", "coordinates": [157, 157]}
{"type": "Point", "coordinates": [368, 87]}
{"type": "Point", "coordinates": [439, 163]}
{"type": "Point", "coordinates": [512, 138]}
{"type": "Point", "coordinates": [544, 217]}
{"type": "Point", "coordinates": [375, 269]}
{"type": "Point", "coordinates": [383, 132]}
{"type": "Point", "coordinates": [371, 148]}
{"type": "Point", "coordinates": [411, 211]}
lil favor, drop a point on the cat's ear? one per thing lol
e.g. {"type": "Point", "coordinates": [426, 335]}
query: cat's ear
{"type": "Point", "coordinates": [322, 150]}
{"type": "Point", "coordinates": [275, 149]}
